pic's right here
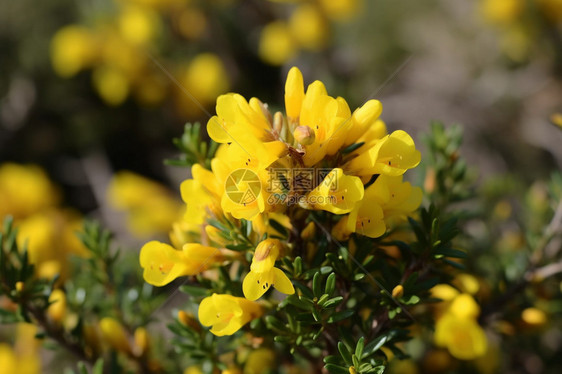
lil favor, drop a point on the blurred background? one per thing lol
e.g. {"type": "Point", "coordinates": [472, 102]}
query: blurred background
{"type": "Point", "coordinates": [92, 87]}
{"type": "Point", "coordinates": [92, 92]}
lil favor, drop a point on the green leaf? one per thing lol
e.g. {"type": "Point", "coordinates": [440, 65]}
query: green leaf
{"type": "Point", "coordinates": [335, 369]}
{"type": "Point", "coordinates": [278, 227]}
{"type": "Point", "coordinates": [98, 367]}
{"type": "Point", "coordinates": [194, 290]}
{"type": "Point", "coordinates": [450, 252]}
{"type": "Point", "coordinates": [375, 345]}
{"type": "Point", "coordinates": [352, 147]}
{"type": "Point", "coordinates": [359, 348]}
{"type": "Point", "coordinates": [330, 284]}
{"type": "Point", "coordinates": [316, 287]}
{"type": "Point", "coordinates": [346, 355]}
{"type": "Point", "coordinates": [339, 316]}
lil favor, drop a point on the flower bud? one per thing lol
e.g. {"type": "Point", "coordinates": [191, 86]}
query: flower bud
{"type": "Point", "coordinates": [533, 317]}
{"type": "Point", "coordinates": [141, 340]}
{"type": "Point", "coordinates": [398, 291]}
{"type": "Point", "coordinates": [304, 135]}
{"type": "Point", "coordinates": [19, 287]}
{"type": "Point", "coordinates": [188, 320]}
{"type": "Point", "coordinates": [309, 231]}
{"type": "Point", "coordinates": [114, 334]}
{"type": "Point", "coordinates": [57, 310]}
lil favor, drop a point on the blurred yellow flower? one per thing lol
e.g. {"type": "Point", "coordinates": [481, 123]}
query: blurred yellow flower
{"type": "Point", "coordinates": [23, 357]}
{"type": "Point", "coordinates": [276, 45]}
{"type": "Point", "coordinates": [138, 25]}
{"type": "Point", "coordinates": [308, 27]}
{"type": "Point", "coordinates": [226, 314]}
{"type": "Point", "coordinates": [458, 329]}
{"type": "Point", "coordinates": [72, 49]}
{"type": "Point", "coordinates": [205, 78]}
{"type": "Point", "coordinates": [57, 308]}
{"type": "Point", "coordinates": [50, 239]}
{"type": "Point", "coordinates": [534, 317]}
{"type": "Point", "coordinates": [502, 12]}
{"type": "Point", "coordinates": [25, 190]}
{"type": "Point", "coordinates": [150, 206]}
{"type": "Point", "coordinates": [111, 84]}
{"type": "Point", "coordinates": [259, 361]}
{"type": "Point", "coordinates": [114, 334]}
{"type": "Point", "coordinates": [341, 10]}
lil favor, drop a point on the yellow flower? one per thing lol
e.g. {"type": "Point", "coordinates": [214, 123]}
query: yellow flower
{"type": "Point", "coordinates": [328, 117]}
{"type": "Point", "coordinates": [50, 239]}
{"type": "Point", "coordinates": [111, 84]}
{"type": "Point", "coordinates": [57, 307]}
{"type": "Point", "coordinates": [341, 10]}
{"type": "Point", "coordinates": [397, 199]}
{"type": "Point", "coordinates": [193, 370]}
{"type": "Point", "coordinates": [337, 193]}
{"type": "Point", "coordinates": [226, 314]}
{"type": "Point", "coordinates": [367, 217]}
{"type": "Point", "coordinates": [534, 317]}
{"type": "Point", "coordinates": [25, 190]}
{"type": "Point", "coordinates": [364, 120]}
{"type": "Point", "coordinates": [308, 27]}
{"type": "Point", "coordinates": [199, 193]}
{"type": "Point", "coordinates": [259, 361]}
{"type": "Point", "coordinates": [8, 359]}
{"type": "Point", "coordinates": [264, 274]}
{"type": "Point", "coordinates": [276, 45]}
{"type": "Point", "coordinates": [150, 206]}
{"type": "Point", "coordinates": [246, 128]}
{"type": "Point", "coordinates": [73, 48]}
{"type": "Point", "coordinates": [162, 263]}
{"type": "Point", "coordinates": [183, 232]}
{"type": "Point", "coordinates": [464, 338]}
{"type": "Point", "coordinates": [502, 12]}
{"type": "Point", "coordinates": [138, 25]}
{"type": "Point", "coordinates": [115, 335]}
{"type": "Point", "coordinates": [141, 340]}
{"type": "Point", "coordinates": [205, 78]}
{"type": "Point", "coordinates": [458, 330]}
{"type": "Point", "coordinates": [392, 156]}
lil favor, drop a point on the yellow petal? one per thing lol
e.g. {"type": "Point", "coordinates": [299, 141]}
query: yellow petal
{"type": "Point", "coordinates": [256, 284]}
{"type": "Point", "coordinates": [294, 92]}
{"type": "Point", "coordinates": [281, 282]}
{"type": "Point", "coordinates": [464, 306]}
{"type": "Point", "coordinates": [161, 263]}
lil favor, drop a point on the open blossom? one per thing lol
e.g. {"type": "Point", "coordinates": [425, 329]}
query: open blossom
{"type": "Point", "coordinates": [226, 314]}
{"type": "Point", "coordinates": [162, 263]}
{"type": "Point", "coordinates": [263, 274]}
{"type": "Point", "coordinates": [458, 329]}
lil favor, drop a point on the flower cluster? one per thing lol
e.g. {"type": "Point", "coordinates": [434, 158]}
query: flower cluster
{"type": "Point", "coordinates": [44, 229]}
{"type": "Point", "coordinates": [118, 48]}
{"type": "Point", "coordinates": [319, 155]}
{"type": "Point", "coordinates": [308, 28]}
{"type": "Point", "coordinates": [127, 192]}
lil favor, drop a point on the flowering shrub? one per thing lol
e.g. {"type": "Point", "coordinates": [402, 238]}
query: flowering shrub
{"type": "Point", "coordinates": [299, 247]}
